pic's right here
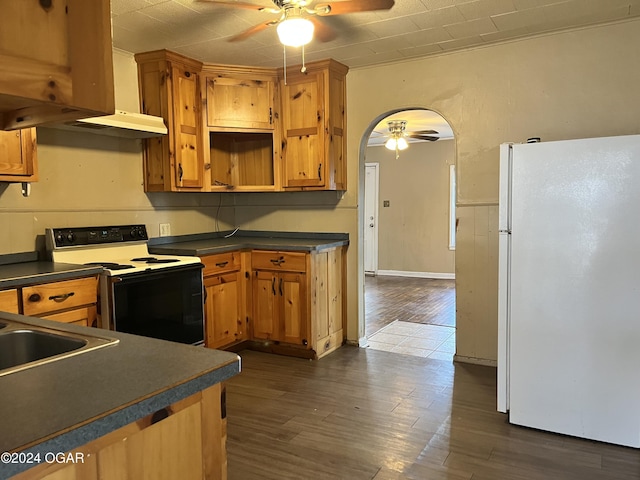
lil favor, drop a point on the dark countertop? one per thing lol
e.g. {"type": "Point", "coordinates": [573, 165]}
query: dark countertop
{"type": "Point", "coordinates": [17, 270]}
{"type": "Point", "coordinates": [65, 404]}
{"type": "Point", "coordinates": [220, 242]}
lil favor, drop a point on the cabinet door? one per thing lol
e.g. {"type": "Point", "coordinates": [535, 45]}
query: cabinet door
{"type": "Point", "coordinates": [239, 102]}
{"type": "Point", "coordinates": [223, 309]}
{"type": "Point", "coordinates": [292, 302]}
{"type": "Point", "coordinates": [185, 440]}
{"type": "Point", "coordinates": [9, 301]}
{"type": "Point", "coordinates": [335, 143]}
{"type": "Point", "coordinates": [86, 316]}
{"type": "Point", "coordinates": [303, 118]}
{"type": "Point", "coordinates": [18, 155]}
{"type": "Point", "coordinates": [265, 308]}
{"type": "Point", "coordinates": [189, 162]}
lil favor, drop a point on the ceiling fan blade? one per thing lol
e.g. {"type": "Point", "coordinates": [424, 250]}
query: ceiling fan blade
{"type": "Point", "coordinates": [322, 31]}
{"type": "Point", "coordinates": [338, 7]}
{"type": "Point", "coordinates": [252, 31]}
{"type": "Point", "coordinates": [248, 6]}
{"type": "Point", "coordinates": [424, 132]}
{"type": "Point", "coordinates": [423, 137]}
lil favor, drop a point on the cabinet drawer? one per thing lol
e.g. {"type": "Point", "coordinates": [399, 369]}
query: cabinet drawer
{"type": "Point", "coordinates": [279, 261]}
{"type": "Point", "coordinates": [9, 301]}
{"type": "Point", "coordinates": [50, 297]}
{"type": "Point", "coordinates": [223, 262]}
{"type": "Point", "coordinates": [85, 316]}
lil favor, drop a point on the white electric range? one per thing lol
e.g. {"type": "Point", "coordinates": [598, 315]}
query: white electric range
{"type": "Point", "coordinates": [146, 294]}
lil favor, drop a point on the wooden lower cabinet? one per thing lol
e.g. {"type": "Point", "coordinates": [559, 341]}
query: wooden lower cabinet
{"type": "Point", "coordinates": [225, 284]}
{"type": "Point", "coordinates": [186, 440]}
{"type": "Point", "coordinates": [223, 310]}
{"type": "Point", "coordinates": [289, 299]}
{"type": "Point", "coordinates": [9, 301]}
{"type": "Point", "coordinates": [280, 307]}
{"type": "Point", "coordinates": [328, 300]}
{"type": "Point", "coordinates": [84, 316]}
{"type": "Point", "coordinates": [67, 301]}
{"type": "Point", "coordinates": [298, 299]}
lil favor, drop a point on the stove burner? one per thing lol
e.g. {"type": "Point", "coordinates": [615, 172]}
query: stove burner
{"type": "Point", "coordinates": [154, 260]}
{"type": "Point", "coordinates": [110, 265]}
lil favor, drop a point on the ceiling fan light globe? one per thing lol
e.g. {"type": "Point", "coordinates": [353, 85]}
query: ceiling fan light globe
{"type": "Point", "coordinates": [402, 144]}
{"type": "Point", "coordinates": [390, 144]}
{"type": "Point", "coordinates": [295, 32]}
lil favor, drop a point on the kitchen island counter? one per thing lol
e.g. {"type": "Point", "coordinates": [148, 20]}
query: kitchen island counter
{"type": "Point", "coordinates": [220, 242]}
{"type": "Point", "coordinates": [62, 405]}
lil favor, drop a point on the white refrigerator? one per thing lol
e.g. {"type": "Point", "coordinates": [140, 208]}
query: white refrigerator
{"type": "Point", "coordinates": [569, 287]}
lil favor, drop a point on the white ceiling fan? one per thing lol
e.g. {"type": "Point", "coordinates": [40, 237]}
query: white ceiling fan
{"type": "Point", "coordinates": [299, 21]}
{"type": "Point", "coordinates": [398, 136]}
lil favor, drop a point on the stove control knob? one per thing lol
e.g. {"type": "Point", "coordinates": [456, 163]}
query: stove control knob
{"type": "Point", "coordinates": [59, 239]}
{"type": "Point", "coordinates": [70, 237]}
{"type": "Point", "coordinates": [132, 233]}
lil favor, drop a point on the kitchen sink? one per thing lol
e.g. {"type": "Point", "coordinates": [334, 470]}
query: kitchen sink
{"type": "Point", "coordinates": [23, 345]}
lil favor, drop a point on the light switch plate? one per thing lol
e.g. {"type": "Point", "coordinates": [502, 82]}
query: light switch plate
{"type": "Point", "coordinates": [386, 203]}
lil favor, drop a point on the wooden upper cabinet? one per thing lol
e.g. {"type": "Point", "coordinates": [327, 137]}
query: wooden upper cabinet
{"type": "Point", "coordinates": [242, 128]}
{"type": "Point", "coordinates": [56, 61]}
{"type": "Point", "coordinates": [235, 128]}
{"type": "Point", "coordinates": [170, 88]}
{"type": "Point", "coordinates": [18, 158]}
{"type": "Point", "coordinates": [314, 123]}
{"type": "Point", "coordinates": [236, 101]}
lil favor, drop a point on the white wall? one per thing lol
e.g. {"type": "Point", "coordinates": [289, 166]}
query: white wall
{"type": "Point", "coordinates": [575, 84]}
{"type": "Point", "coordinates": [413, 231]}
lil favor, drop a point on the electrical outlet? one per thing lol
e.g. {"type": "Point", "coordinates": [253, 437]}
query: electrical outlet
{"type": "Point", "coordinates": [165, 229]}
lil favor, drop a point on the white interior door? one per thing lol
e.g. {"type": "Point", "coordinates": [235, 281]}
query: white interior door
{"type": "Point", "coordinates": [371, 187]}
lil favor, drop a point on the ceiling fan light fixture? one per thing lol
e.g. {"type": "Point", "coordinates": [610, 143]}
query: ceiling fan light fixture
{"type": "Point", "coordinates": [399, 144]}
{"type": "Point", "coordinates": [295, 32]}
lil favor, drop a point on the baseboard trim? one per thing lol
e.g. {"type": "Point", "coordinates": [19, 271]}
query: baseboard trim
{"type": "Point", "coordinates": [475, 361]}
{"type": "Point", "coordinates": [403, 273]}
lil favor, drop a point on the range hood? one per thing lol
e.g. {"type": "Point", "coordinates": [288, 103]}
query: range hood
{"type": "Point", "coordinates": [121, 124]}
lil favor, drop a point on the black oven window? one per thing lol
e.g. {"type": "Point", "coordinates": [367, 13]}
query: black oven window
{"type": "Point", "coordinates": [166, 304]}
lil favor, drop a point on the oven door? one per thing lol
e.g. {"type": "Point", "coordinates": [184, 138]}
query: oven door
{"type": "Point", "coordinates": [166, 303]}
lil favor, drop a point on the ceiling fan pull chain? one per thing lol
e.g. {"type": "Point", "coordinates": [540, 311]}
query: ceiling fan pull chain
{"type": "Point", "coordinates": [304, 68]}
{"type": "Point", "coordinates": [284, 54]}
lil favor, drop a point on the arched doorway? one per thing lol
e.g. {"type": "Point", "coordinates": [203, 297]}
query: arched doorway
{"type": "Point", "coordinates": [408, 226]}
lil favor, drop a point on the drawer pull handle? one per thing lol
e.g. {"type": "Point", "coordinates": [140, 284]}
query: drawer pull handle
{"type": "Point", "coordinates": [62, 297]}
{"type": "Point", "coordinates": [273, 285]}
{"type": "Point", "coordinates": [35, 297]}
{"type": "Point", "coordinates": [280, 287]}
{"type": "Point", "coordinates": [277, 261]}
{"type": "Point", "coordinates": [221, 264]}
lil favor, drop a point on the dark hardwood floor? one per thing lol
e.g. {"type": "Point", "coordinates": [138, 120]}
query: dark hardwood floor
{"type": "Point", "coordinates": [367, 414]}
{"type": "Point", "coordinates": [418, 300]}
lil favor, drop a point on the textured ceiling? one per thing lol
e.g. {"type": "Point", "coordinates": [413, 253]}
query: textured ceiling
{"type": "Point", "coordinates": [412, 28]}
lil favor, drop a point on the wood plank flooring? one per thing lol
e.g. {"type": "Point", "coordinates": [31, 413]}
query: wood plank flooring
{"type": "Point", "coordinates": [367, 414]}
{"type": "Point", "coordinates": [417, 300]}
